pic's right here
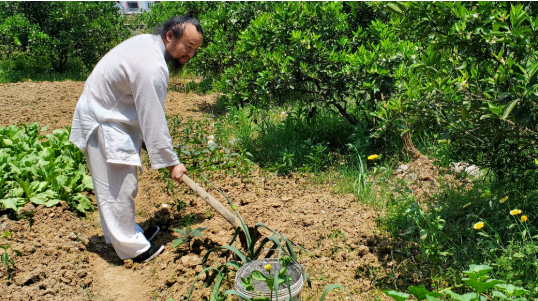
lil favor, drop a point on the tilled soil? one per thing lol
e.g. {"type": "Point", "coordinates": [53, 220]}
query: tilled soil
{"type": "Point", "coordinates": [65, 256]}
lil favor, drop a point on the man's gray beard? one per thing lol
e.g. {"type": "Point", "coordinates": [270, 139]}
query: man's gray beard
{"type": "Point", "coordinates": [173, 64]}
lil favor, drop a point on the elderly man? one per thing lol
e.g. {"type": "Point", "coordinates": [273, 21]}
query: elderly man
{"type": "Point", "coordinates": [121, 108]}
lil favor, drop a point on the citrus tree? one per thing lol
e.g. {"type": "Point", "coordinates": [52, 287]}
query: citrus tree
{"type": "Point", "coordinates": [318, 54]}
{"type": "Point", "coordinates": [56, 31]}
{"type": "Point", "coordinates": [222, 23]}
{"type": "Point", "coordinates": [474, 80]}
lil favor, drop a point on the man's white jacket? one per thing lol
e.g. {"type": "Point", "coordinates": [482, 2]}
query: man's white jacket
{"type": "Point", "coordinates": [125, 95]}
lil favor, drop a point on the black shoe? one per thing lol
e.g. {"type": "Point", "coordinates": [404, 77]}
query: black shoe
{"type": "Point", "coordinates": [149, 254]}
{"type": "Point", "coordinates": [151, 232]}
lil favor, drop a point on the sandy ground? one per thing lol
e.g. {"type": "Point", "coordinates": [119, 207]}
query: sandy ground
{"type": "Point", "coordinates": [66, 258]}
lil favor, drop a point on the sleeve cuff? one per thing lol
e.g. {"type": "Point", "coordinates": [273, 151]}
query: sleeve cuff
{"type": "Point", "coordinates": [163, 157]}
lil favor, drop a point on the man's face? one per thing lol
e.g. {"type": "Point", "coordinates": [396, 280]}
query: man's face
{"type": "Point", "coordinates": [180, 51]}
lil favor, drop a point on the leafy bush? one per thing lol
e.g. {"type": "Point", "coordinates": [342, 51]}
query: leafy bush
{"type": "Point", "coordinates": [309, 52]}
{"type": "Point", "coordinates": [41, 170]}
{"type": "Point", "coordinates": [56, 31]}
{"type": "Point", "coordinates": [474, 79]}
{"type": "Point", "coordinates": [222, 22]}
{"type": "Point", "coordinates": [284, 140]}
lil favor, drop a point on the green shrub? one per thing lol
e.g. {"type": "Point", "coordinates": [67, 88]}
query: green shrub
{"type": "Point", "coordinates": [474, 81]}
{"type": "Point", "coordinates": [309, 52]}
{"type": "Point", "coordinates": [222, 23]}
{"type": "Point", "coordinates": [57, 31]}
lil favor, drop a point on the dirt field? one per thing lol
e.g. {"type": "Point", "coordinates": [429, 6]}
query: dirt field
{"type": "Point", "coordinates": [66, 258]}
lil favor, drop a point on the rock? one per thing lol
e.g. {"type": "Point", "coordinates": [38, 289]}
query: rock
{"type": "Point", "coordinates": [471, 170]}
{"type": "Point", "coordinates": [171, 280]}
{"type": "Point", "coordinates": [65, 280]}
{"type": "Point", "coordinates": [128, 263]}
{"type": "Point", "coordinates": [51, 215]}
{"type": "Point", "coordinates": [401, 169]}
{"type": "Point", "coordinates": [410, 177]}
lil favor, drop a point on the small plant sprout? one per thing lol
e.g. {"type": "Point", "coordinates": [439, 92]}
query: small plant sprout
{"type": "Point", "coordinates": [9, 263]}
{"type": "Point", "coordinates": [283, 277]}
{"type": "Point", "coordinates": [187, 235]}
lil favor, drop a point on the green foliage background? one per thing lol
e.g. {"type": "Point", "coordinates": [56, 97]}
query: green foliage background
{"type": "Point", "coordinates": [59, 30]}
{"type": "Point", "coordinates": [464, 71]}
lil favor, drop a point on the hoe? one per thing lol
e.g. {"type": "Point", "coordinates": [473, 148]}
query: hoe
{"type": "Point", "coordinates": [223, 211]}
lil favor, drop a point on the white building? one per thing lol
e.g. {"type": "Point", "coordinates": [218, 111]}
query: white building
{"type": "Point", "coordinates": [135, 7]}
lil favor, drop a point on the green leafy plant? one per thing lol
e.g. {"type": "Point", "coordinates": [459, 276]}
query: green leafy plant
{"type": "Point", "coordinates": [57, 31]}
{"type": "Point", "coordinates": [477, 279]}
{"type": "Point", "coordinates": [9, 263]}
{"type": "Point", "coordinates": [41, 169]}
{"type": "Point", "coordinates": [187, 235]}
{"type": "Point", "coordinates": [198, 148]}
{"type": "Point", "coordinates": [272, 281]}
{"type": "Point", "coordinates": [187, 220]}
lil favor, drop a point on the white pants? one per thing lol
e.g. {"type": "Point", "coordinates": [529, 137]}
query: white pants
{"type": "Point", "coordinates": [115, 187]}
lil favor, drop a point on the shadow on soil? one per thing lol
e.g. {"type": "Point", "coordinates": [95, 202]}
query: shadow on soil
{"type": "Point", "coordinates": [162, 218]}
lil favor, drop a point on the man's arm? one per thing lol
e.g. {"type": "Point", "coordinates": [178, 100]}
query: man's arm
{"type": "Point", "coordinates": [148, 84]}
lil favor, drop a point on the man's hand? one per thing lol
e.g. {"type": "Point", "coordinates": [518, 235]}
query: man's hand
{"type": "Point", "coordinates": [177, 171]}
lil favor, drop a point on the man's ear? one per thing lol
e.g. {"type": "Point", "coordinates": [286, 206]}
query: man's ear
{"type": "Point", "coordinates": [169, 36]}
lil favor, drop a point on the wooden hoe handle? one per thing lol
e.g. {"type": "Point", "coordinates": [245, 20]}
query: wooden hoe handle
{"type": "Point", "coordinates": [227, 214]}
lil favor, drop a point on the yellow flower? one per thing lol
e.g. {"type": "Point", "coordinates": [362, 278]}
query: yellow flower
{"type": "Point", "coordinates": [444, 141]}
{"type": "Point", "coordinates": [268, 267]}
{"type": "Point", "coordinates": [478, 226]}
{"type": "Point", "coordinates": [373, 157]}
{"type": "Point", "coordinates": [504, 199]}
{"type": "Point", "coordinates": [524, 218]}
{"type": "Point", "coordinates": [467, 205]}
{"type": "Point", "coordinates": [515, 212]}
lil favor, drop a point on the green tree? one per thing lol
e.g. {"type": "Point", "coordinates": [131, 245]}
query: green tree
{"type": "Point", "coordinates": [57, 31]}
{"type": "Point", "coordinates": [222, 22]}
{"type": "Point", "coordinates": [310, 52]}
{"type": "Point", "coordinates": [474, 81]}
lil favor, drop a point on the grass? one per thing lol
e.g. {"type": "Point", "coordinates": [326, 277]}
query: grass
{"type": "Point", "coordinates": [20, 69]}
